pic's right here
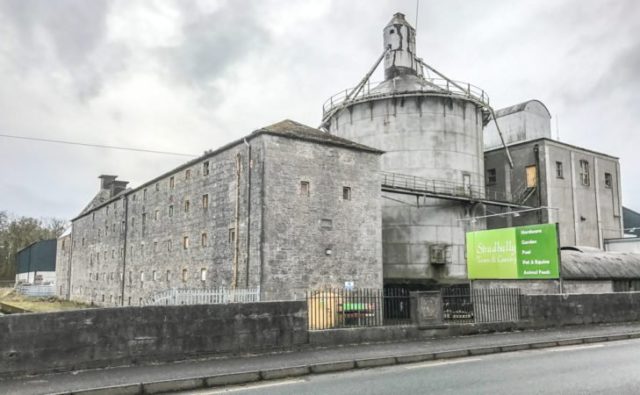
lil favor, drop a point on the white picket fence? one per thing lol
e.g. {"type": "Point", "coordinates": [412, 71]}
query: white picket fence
{"type": "Point", "coordinates": [186, 296]}
{"type": "Point", "coordinates": [37, 290]}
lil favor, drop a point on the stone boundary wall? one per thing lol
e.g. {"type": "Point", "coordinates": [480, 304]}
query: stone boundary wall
{"type": "Point", "coordinates": [94, 338]}
{"type": "Point", "coordinates": [579, 309]}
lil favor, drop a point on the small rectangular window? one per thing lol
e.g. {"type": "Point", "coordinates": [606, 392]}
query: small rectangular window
{"type": "Point", "coordinates": [185, 242]}
{"type": "Point", "coordinates": [232, 235]}
{"type": "Point", "coordinates": [187, 174]}
{"type": "Point", "coordinates": [144, 194]}
{"type": "Point", "coordinates": [157, 186]}
{"type": "Point", "coordinates": [491, 176]}
{"type": "Point", "coordinates": [305, 189]}
{"type": "Point", "coordinates": [169, 245]}
{"type": "Point", "coordinates": [141, 276]}
{"type": "Point", "coordinates": [171, 210]}
{"type": "Point", "coordinates": [168, 275]}
{"type": "Point", "coordinates": [205, 201]}
{"type": "Point", "coordinates": [133, 197]}
{"type": "Point", "coordinates": [203, 274]}
{"type": "Point", "coordinates": [184, 275]}
{"type": "Point", "coordinates": [608, 180]}
{"type": "Point", "coordinates": [203, 240]}
{"type": "Point", "coordinates": [154, 275]}
{"type": "Point", "coordinates": [187, 205]}
{"type": "Point", "coordinates": [157, 214]}
{"type": "Point", "coordinates": [346, 193]}
{"type": "Point", "coordinates": [155, 246]}
{"type": "Point", "coordinates": [559, 170]}
{"type": "Point", "coordinates": [584, 172]}
{"type": "Point", "coordinates": [172, 182]}
{"type": "Point", "coordinates": [205, 168]}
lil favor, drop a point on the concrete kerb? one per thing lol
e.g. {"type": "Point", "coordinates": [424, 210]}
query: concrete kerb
{"type": "Point", "coordinates": [330, 367]}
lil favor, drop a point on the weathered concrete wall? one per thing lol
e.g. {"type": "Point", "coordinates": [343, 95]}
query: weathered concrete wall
{"type": "Point", "coordinates": [32, 343]}
{"type": "Point", "coordinates": [575, 309]}
{"type": "Point", "coordinates": [586, 213]}
{"type": "Point", "coordinates": [546, 287]}
{"type": "Point", "coordinates": [430, 137]}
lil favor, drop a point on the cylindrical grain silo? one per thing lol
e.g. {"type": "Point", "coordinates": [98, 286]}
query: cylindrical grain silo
{"type": "Point", "coordinates": [430, 129]}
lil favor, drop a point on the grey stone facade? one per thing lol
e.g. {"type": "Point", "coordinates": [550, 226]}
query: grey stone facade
{"type": "Point", "coordinates": [286, 209]}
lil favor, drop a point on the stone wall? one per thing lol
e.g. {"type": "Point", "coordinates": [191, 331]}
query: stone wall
{"type": "Point", "coordinates": [35, 343]}
{"type": "Point", "coordinates": [323, 236]}
{"type": "Point", "coordinates": [576, 309]}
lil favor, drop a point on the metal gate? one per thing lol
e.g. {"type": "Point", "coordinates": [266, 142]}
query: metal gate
{"type": "Point", "coordinates": [462, 305]}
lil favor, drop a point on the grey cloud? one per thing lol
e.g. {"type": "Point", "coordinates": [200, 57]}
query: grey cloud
{"type": "Point", "coordinates": [75, 29]}
{"type": "Point", "coordinates": [214, 41]}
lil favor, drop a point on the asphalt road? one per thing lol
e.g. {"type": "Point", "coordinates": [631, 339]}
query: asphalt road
{"type": "Point", "coordinates": [599, 368]}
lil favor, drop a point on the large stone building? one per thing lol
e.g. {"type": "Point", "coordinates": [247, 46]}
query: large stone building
{"type": "Point", "coordinates": [287, 209]}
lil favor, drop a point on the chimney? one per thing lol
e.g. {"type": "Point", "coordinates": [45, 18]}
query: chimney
{"type": "Point", "coordinates": [109, 183]}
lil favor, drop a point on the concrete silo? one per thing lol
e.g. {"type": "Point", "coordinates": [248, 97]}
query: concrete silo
{"type": "Point", "coordinates": [431, 130]}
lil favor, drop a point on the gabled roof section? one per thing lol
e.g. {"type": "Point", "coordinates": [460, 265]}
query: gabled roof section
{"type": "Point", "coordinates": [102, 196]}
{"type": "Point", "coordinates": [295, 130]}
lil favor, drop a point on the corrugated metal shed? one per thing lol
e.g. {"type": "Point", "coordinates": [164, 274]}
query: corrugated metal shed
{"type": "Point", "coordinates": [600, 265]}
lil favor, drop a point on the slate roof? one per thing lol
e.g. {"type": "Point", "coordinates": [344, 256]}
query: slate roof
{"type": "Point", "coordinates": [295, 130]}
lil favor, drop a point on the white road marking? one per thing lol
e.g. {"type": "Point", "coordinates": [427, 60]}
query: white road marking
{"type": "Point", "coordinates": [441, 363]}
{"type": "Point", "coordinates": [245, 387]}
{"type": "Point", "coordinates": [576, 347]}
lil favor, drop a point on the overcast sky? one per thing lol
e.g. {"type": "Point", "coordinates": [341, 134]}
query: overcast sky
{"type": "Point", "coordinates": [187, 76]}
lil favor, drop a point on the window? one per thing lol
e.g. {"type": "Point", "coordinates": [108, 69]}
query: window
{"type": "Point", "coordinates": [155, 246]}
{"type": "Point", "coordinates": [157, 214]}
{"type": "Point", "coordinates": [172, 183]}
{"type": "Point", "coordinates": [608, 180]}
{"type": "Point", "coordinates": [184, 275]}
{"type": "Point", "coordinates": [144, 223]}
{"type": "Point", "coordinates": [154, 275]}
{"type": "Point", "coordinates": [491, 176]}
{"type": "Point", "coordinates": [157, 186]}
{"type": "Point", "coordinates": [187, 174]}
{"type": "Point", "coordinates": [205, 168]}
{"type": "Point", "coordinates": [171, 210]}
{"type": "Point", "coordinates": [346, 193]}
{"type": "Point", "coordinates": [133, 224]}
{"type": "Point", "coordinates": [205, 201]}
{"type": "Point", "coordinates": [168, 275]}
{"type": "Point", "coordinates": [531, 174]}
{"type": "Point", "coordinates": [141, 276]}
{"type": "Point", "coordinates": [169, 245]}
{"type": "Point", "coordinates": [326, 224]}
{"type": "Point", "coordinates": [584, 172]}
{"type": "Point", "coordinates": [144, 194]}
{"type": "Point", "coordinates": [203, 274]}
{"type": "Point", "coordinates": [203, 240]}
{"type": "Point", "coordinates": [133, 197]}
{"type": "Point", "coordinates": [185, 242]}
{"type": "Point", "coordinates": [187, 205]}
{"type": "Point", "coordinates": [232, 235]}
{"type": "Point", "coordinates": [305, 188]}
{"type": "Point", "coordinates": [559, 170]}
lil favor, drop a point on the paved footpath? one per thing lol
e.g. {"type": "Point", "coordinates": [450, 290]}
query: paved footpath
{"type": "Point", "coordinates": [219, 371]}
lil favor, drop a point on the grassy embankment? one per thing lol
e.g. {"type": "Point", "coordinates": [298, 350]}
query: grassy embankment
{"type": "Point", "coordinates": [9, 297]}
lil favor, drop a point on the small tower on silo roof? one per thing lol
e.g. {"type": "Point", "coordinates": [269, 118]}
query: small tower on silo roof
{"type": "Point", "coordinates": [400, 37]}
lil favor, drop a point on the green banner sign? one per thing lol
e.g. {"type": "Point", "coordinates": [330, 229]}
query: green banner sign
{"type": "Point", "coordinates": [525, 252]}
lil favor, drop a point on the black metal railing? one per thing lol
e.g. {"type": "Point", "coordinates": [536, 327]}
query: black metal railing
{"type": "Point", "coordinates": [345, 308]}
{"type": "Point", "coordinates": [462, 305]}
